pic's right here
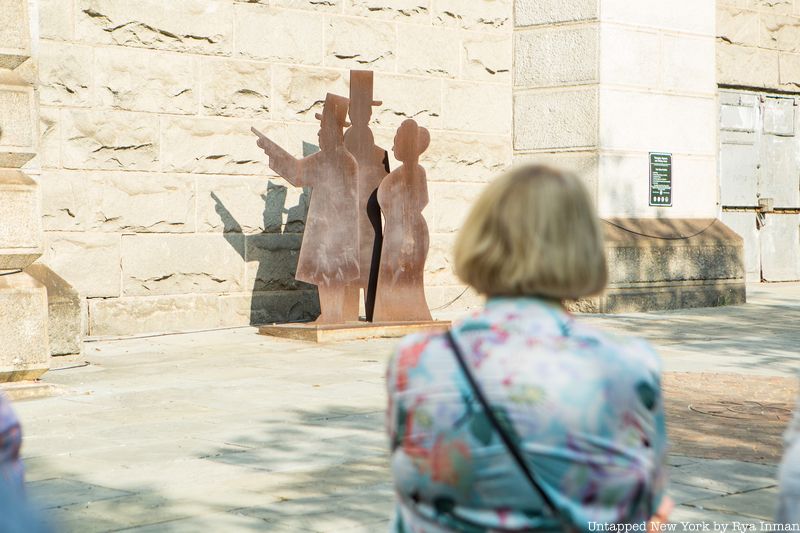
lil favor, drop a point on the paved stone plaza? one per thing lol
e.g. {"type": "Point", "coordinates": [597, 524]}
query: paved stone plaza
{"type": "Point", "coordinates": [231, 431]}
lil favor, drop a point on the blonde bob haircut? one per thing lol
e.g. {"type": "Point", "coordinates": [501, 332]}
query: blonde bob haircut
{"type": "Point", "coordinates": [533, 232]}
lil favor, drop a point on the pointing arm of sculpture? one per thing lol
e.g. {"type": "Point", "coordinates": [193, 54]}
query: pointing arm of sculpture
{"type": "Point", "coordinates": [282, 162]}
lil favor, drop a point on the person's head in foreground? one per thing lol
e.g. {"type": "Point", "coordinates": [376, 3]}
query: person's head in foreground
{"type": "Point", "coordinates": [581, 409]}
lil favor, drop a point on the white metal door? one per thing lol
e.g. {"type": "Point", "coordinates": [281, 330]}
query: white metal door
{"type": "Point", "coordinates": [760, 180]}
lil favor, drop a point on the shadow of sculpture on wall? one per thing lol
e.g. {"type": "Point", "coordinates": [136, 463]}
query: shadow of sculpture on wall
{"type": "Point", "coordinates": [271, 257]}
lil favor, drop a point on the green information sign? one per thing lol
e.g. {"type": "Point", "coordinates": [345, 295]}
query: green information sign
{"type": "Point", "coordinates": [660, 179]}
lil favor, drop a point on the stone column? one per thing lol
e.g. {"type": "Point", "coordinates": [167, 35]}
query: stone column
{"type": "Point", "coordinates": [598, 86]}
{"type": "Point", "coordinates": [24, 353]}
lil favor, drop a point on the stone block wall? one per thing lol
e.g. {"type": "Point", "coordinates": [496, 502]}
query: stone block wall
{"type": "Point", "coordinates": [758, 44]}
{"type": "Point", "coordinates": [157, 205]}
{"type": "Point", "coordinates": [600, 83]}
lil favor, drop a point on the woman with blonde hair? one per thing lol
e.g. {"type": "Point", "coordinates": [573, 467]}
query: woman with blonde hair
{"type": "Point", "coordinates": [521, 418]}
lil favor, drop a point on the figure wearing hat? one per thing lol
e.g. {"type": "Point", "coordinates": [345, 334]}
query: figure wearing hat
{"type": "Point", "coordinates": [329, 254]}
{"type": "Point", "coordinates": [372, 167]}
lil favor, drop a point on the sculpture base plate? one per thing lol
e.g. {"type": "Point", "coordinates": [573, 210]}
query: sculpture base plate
{"type": "Point", "coordinates": [311, 332]}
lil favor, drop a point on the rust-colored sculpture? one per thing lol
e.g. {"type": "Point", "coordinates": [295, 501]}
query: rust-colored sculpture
{"type": "Point", "coordinates": [344, 248]}
{"type": "Point", "coordinates": [402, 197]}
{"type": "Point", "coordinates": [372, 167]}
{"type": "Point", "coordinates": [330, 249]}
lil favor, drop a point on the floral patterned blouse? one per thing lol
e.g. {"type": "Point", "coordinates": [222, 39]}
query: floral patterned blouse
{"type": "Point", "coordinates": [585, 408]}
{"type": "Point", "coordinates": [10, 442]}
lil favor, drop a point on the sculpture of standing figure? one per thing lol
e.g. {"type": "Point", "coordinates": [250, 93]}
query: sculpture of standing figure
{"type": "Point", "coordinates": [402, 195]}
{"type": "Point", "coordinates": [329, 254]}
{"type": "Point", "coordinates": [372, 167]}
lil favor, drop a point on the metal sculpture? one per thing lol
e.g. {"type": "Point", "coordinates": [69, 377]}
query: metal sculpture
{"type": "Point", "coordinates": [330, 250]}
{"type": "Point", "coordinates": [402, 196]}
{"type": "Point", "coordinates": [373, 165]}
{"type": "Point", "coordinates": [344, 248]}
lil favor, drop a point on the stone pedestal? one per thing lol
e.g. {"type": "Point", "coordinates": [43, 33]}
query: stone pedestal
{"type": "Point", "coordinates": [63, 310]}
{"type": "Point", "coordinates": [599, 85]}
{"type": "Point", "coordinates": [670, 264]}
{"type": "Point", "coordinates": [24, 352]}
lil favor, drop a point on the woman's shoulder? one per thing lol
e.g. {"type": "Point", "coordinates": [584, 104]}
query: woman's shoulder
{"type": "Point", "coordinates": [411, 353]}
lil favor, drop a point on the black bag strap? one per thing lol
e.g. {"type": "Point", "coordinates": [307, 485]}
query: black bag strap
{"type": "Point", "coordinates": [504, 436]}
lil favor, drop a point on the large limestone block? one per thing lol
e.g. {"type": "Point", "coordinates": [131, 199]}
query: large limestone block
{"type": "Point", "coordinates": [90, 262]}
{"type": "Point", "coordinates": [146, 80]}
{"type": "Point", "coordinates": [215, 146]}
{"type": "Point", "coordinates": [199, 26]}
{"type": "Point", "coordinates": [535, 12]}
{"type": "Point", "coordinates": [554, 57]}
{"type": "Point", "coordinates": [742, 65]}
{"type": "Point", "coordinates": [690, 16]}
{"type": "Point", "coordinates": [790, 71]}
{"type": "Point", "coordinates": [15, 45]}
{"type": "Point", "coordinates": [315, 5]}
{"type": "Point", "coordinates": [180, 264]}
{"type": "Point", "coordinates": [110, 140]}
{"type": "Point", "coordinates": [63, 311]}
{"type": "Point", "coordinates": [258, 308]}
{"type": "Point", "coordinates": [780, 33]}
{"type": "Point", "coordinates": [249, 205]}
{"type": "Point", "coordinates": [688, 64]}
{"type": "Point", "coordinates": [633, 120]}
{"type": "Point", "coordinates": [235, 88]}
{"type": "Point", "coordinates": [401, 10]}
{"type": "Point", "coordinates": [774, 6]}
{"type": "Point", "coordinates": [153, 314]}
{"type": "Point", "coordinates": [563, 119]}
{"type": "Point", "coordinates": [409, 97]}
{"type": "Point", "coordinates": [439, 269]}
{"type": "Point", "coordinates": [65, 74]}
{"type": "Point", "coordinates": [118, 202]}
{"type": "Point", "coordinates": [738, 26]}
{"type": "Point", "coordinates": [490, 15]}
{"type": "Point", "coordinates": [487, 57]}
{"type": "Point", "coordinates": [477, 107]}
{"type": "Point", "coordinates": [18, 125]}
{"type": "Point", "coordinates": [448, 201]}
{"type": "Point", "coordinates": [20, 220]}
{"type": "Point", "coordinates": [360, 43]}
{"type": "Point", "coordinates": [272, 261]}
{"type": "Point", "coordinates": [466, 157]}
{"type": "Point", "coordinates": [630, 56]}
{"type": "Point", "coordinates": [50, 137]}
{"type": "Point", "coordinates": [292, 36]}
{"type": "Point", "coordinates": [25, 353]}
{"type": "Point", "coordinates": [56, 20]}
{"type": "Point", "coordinates": [585, 164]}
{"type": "Point", "coordinates": [300, 92]}
{"type": "Point", "coordinates": [427, 52]}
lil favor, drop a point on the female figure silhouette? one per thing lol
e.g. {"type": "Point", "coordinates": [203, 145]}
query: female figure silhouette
{"type": "Point", "coordinates": [402, 196]}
